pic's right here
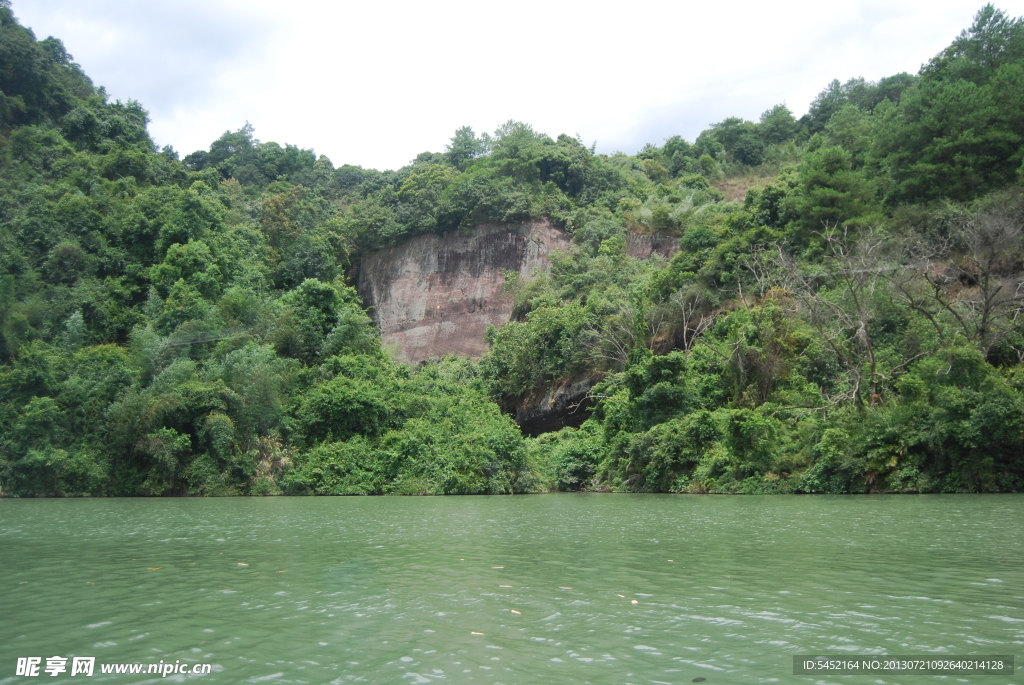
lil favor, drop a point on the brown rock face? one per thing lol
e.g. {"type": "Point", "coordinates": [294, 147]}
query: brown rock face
{"type": "Point", "coordinates": [642, 246]}
{"type": "Point", "coordinates": [436, 294]}
{"type": "Point", "coordinates": [563, 405]}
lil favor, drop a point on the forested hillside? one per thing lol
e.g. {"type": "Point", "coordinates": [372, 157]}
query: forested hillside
{"type": "Point", "coordinates": [842, 314]}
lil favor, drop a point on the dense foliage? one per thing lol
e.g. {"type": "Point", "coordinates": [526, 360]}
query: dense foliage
{"type": "Point", "coordinates": [848, 324]}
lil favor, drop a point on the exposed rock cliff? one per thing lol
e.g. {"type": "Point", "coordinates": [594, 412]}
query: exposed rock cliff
{"type": "Point", "coordinates": [561, 406]}
{"type": "Point", "coordinates": [436, 294]}
{"type": "Point", "coordinates": [642, 245]}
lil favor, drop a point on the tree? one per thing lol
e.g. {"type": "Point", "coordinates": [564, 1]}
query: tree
{"type": "Point", "coordinates": [992, 40]}
{"type": "Point", "coordinates": [740, 139]}
{"type": "Point", "coordinates": [831, 192]}
{"type": "Point", "coordinates": [841, 303]}
{"type": "Point", "coordinates": [970, 280]}
{"type": "Point", "coordinates": [777, 125]}
{"type": "Point", "coordinates": [464, 147]}
{"type": "Point", "coordinates": [314, 306]}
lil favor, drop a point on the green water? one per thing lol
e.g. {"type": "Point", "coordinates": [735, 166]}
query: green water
{"type": "Point", "coordinates": [379, 590]}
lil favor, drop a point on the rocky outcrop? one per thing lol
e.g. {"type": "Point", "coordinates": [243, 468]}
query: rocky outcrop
{"type": "Point", "coordinates": [643, 245]}
{"type": "Point", "coordinates": [434, 295]}
{"type": "Point", "coordinates": [561, 406]}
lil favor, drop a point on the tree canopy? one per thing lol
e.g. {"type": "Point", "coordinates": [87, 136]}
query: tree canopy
{"type": "Point", "coordinates": [838, 310]}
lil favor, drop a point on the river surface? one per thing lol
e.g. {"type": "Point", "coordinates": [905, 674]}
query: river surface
{"type": "Point", "coordinates": [567, 588]}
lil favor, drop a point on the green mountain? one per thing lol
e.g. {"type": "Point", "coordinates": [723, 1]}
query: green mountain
{"type": "Point", "coordinates": [839, 312]}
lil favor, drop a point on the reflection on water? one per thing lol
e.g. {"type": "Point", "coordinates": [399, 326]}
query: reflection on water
{"type": "Point", "coordinates": [532, 589]}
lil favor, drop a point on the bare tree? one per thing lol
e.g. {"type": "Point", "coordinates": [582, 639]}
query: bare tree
{"type": "Point", "coordinates": [970, 280]}
{"type": "Point", "coordinates": [684, 317]}
{"type": "Point", "coordinates": [619, 335]}
{"type": "Point", "coordinates": [693, 314]}
{"type": "Point", "coordinates": [681, 319]}
{"type": "Point", "coordinates": [844, 312]}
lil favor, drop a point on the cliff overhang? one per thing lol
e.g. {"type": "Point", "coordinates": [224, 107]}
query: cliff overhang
{"type": "Point", "coordinates": [436, 294]}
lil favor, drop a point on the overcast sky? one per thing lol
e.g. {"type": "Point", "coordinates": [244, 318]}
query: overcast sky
{"type": "Point", "coordinates": [375, 83]}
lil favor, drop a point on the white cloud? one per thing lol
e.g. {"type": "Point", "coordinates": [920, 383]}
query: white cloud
{"type": "Point", "coordinates": [376, 83]}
